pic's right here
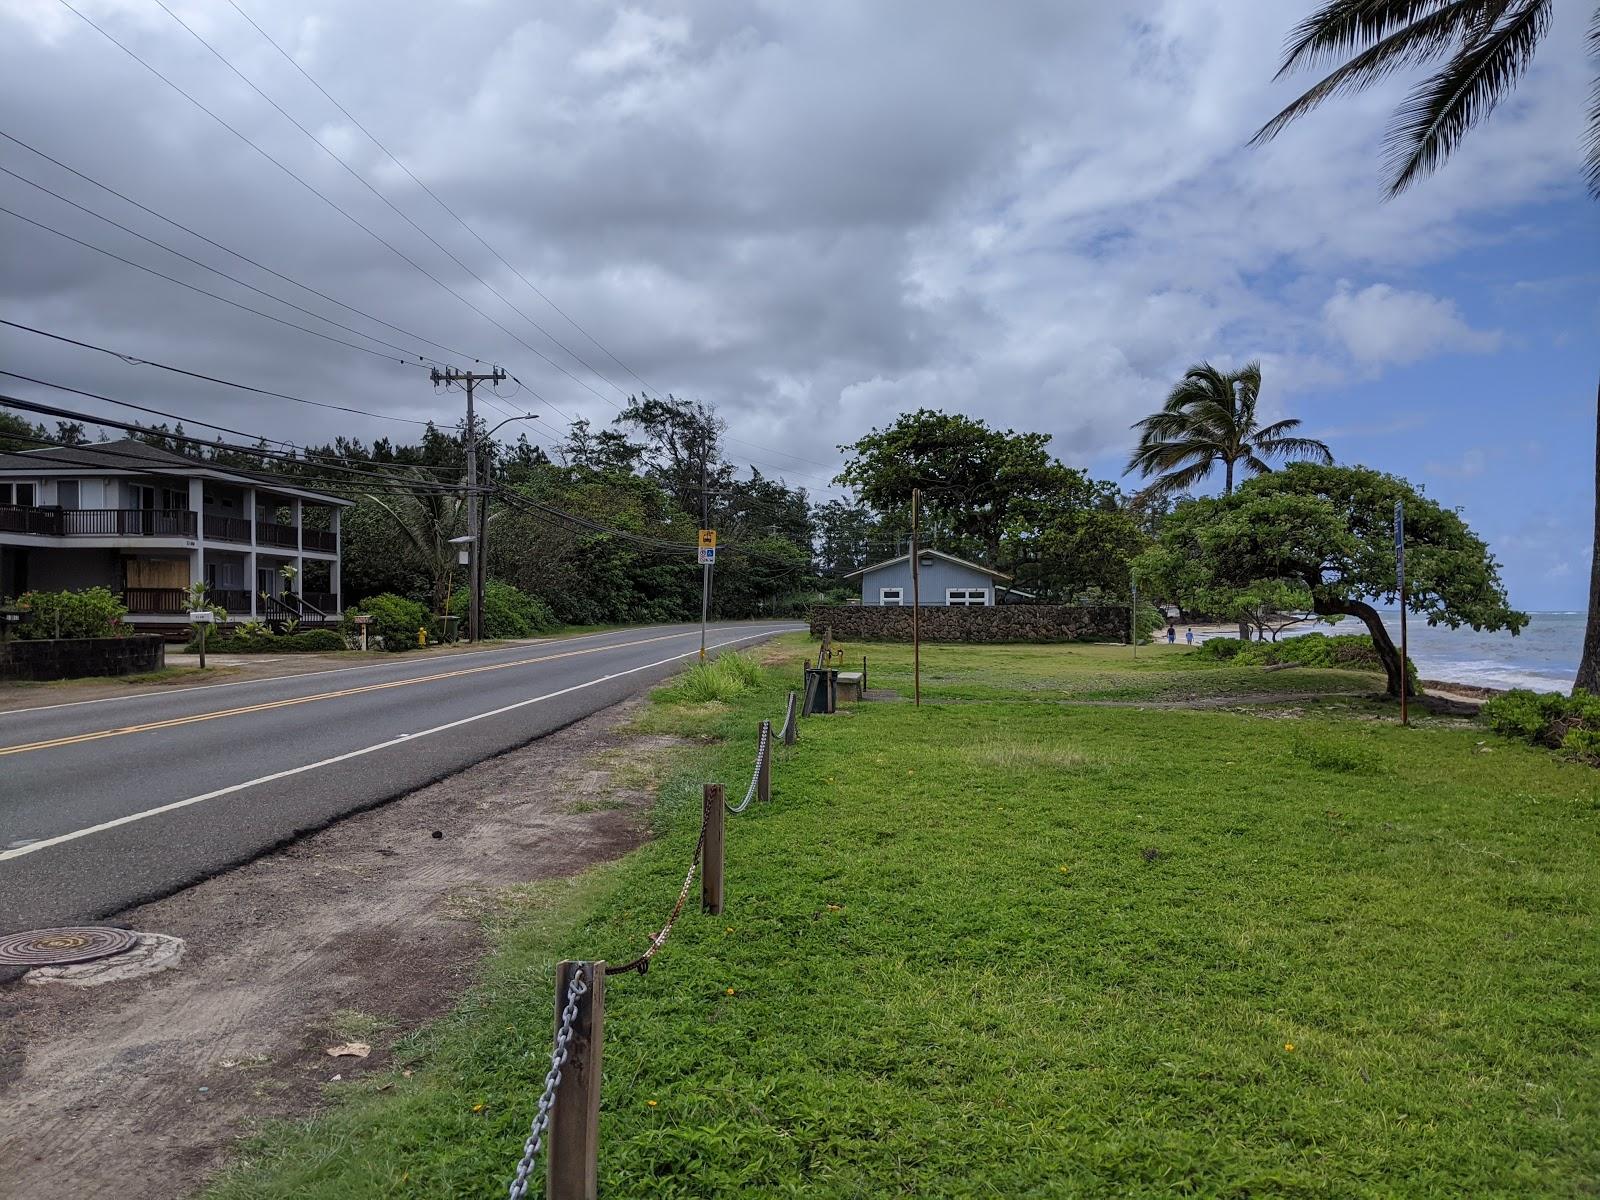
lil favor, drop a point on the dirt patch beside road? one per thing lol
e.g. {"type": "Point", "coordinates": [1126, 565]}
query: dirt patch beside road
{"type": "Point", "coordinates": [361, 932]}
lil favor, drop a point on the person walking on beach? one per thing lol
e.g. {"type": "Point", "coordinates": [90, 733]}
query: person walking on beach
{"type": "Point", "coordinates": [1172, 635]}
{"type": "Point", "coordinates": [1188, 635]}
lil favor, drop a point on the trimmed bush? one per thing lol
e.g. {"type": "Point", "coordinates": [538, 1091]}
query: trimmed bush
{"type": "Point", "coordinates": [1570, 724]}
{"type": "Point", "coordinates": [394, 619]}
{"type": "Point", "coordinates": [508, 612]}
{"type": "Point", "coordinates": [312, 641]}
{"type": "Point", "coordinates": [91, 613]}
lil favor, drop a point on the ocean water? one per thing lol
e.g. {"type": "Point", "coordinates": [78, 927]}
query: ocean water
{"type": "Point", "coordinates": [1544, 656]}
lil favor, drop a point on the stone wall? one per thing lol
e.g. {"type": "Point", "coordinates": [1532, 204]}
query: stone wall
{"type": "Point", "coordinates": [78, 658]}
{"type": "Point", "coordinates": [1001, 623]}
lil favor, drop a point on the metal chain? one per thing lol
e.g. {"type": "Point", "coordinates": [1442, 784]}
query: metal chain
{"type": "Point", "coordinates": [755, 776]}
{"type": "Point", "coordinates": [642, 963]}
{"type": "Point", "coordinates": [558, 1059]}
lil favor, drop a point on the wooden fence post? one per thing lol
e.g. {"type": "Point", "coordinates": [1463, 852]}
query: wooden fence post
{"type": "Point", "coordinates": [711, 856]}
{"type": "Point", "coordinates": [791, 724]}
{"type": "Point", "coordinates": [764, 777]}
{"type": "Point", "coordinates": [573, 1162]}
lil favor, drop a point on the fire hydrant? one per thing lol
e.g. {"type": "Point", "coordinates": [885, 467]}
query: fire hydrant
{"type": "Point", "coordinates": [422, 637]}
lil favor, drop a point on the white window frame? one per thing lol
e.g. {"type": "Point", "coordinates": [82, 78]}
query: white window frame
{"type": "Point", "coordinates": [899, 600]}
{"type": "Point", "coordinates": [11, 493]}
{"type": "Point", "coordinates": [966, 595]}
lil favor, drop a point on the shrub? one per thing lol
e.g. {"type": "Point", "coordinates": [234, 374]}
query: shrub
{"type": "Point", "coordinates": [394, 619]}
{"type": "Point", "coordinates": [311, 641]}
{"type": "Point", "coordinates": [92, 612]}
{"type": "Point", "coordinates": [508, 612]}
{"type": "Point", "coordinates": [1567, 723]}
{"type": "Point", "coordinates": [742, 667]}
{"type": "Point", "coordinates": [1351, 651]}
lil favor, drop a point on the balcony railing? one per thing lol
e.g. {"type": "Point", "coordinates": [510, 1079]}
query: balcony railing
{"type": "Point", "coordinates": [128, 522]}
{"type": "Point", "coordinates": [22, 519]}
{"type": "Point", "coordinates": [98, 522]}
{"type": "Point", "coordinates": [326, 603]}
{"type": "Point", "coordinates": [319, 539]}
{"type": "Point", "coordinates": [146, 602]}
{"type": "Point", "coordinates": [270, 533]}
{"type": "Point", "coordinates": [235, 600]}
{"type": "Point", "coordinates": [227, 529]}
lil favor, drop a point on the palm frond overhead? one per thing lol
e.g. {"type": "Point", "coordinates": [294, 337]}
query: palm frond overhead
{"type": "Point", "coordinates": [1485, 46]}
{"type": "Point", "coordinates": [1309, 449]}
{"type": "Point", "coordinates": [1440, 111]}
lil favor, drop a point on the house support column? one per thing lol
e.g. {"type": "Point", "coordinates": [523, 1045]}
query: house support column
{"type": "Point", "coordinates": [197, 556]}
{"type": "Point", "coordinates": [334, 571]}
{"type": "Point", "coordinates": [250, 557]}
{"type": "Point", "coordinates": [296, 511]}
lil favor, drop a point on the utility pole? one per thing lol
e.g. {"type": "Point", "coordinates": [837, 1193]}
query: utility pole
{"type": "Point", "coordinates": [916, 602]}
{"type": "Point", "coordinates": [470, 380]}
{"type": "Point", "coordinates": [705, 570]}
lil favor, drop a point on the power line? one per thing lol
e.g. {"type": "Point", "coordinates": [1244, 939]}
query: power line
{"type": "Point", "coordinates": [373, 138]}
{"type": "Point", "coordinates": [364, 182]}
{"type": "Point", "coordinates": [240, 255]}
{"type": "Point", "coordinates": [327, 337]}
{"type": "Point", "coordinates": [312, 313]}
{"type": "Point", "coordinates": [315, 192]}
{"type": "Point", "coordinates": [304, 458]}
{"type": "Point", "coordinates": [135, 361]}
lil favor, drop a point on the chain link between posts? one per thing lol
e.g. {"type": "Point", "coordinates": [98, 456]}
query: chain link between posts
{"type": "Point", "coordinates": [552, 1081]}
{"type": "Point", "coordinates": [763, 748]}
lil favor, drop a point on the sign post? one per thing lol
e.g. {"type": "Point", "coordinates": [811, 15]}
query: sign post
{"type": "Point", "coordinates": [708, 559]}
{"type": "Point", "coordinates": [1133, 620]}
{"type": "Point", "coordinates": [1400, 587]}
{"type": "Point", "coordinates": [204, 618]}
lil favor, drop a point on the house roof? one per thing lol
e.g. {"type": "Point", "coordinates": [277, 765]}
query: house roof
{"type": "Point", "coordinates": [127, 454]}
{"type": "Point", "coordinates": [950, 558]}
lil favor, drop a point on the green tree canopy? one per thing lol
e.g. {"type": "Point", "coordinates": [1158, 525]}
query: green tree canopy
{"type": "Point", "coordinates": [1330, 530]}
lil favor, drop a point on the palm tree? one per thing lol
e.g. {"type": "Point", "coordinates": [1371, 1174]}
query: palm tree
{"type": "Point", "coordinates": [427, 519]}
{"type": "Point", "coordinates": [1210, 417]}
{"type": "Point", "coordinates": [1486, 45]}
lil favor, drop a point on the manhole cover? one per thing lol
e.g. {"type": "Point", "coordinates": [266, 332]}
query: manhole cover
{"type": "Point", "coordinates": [50, 947]}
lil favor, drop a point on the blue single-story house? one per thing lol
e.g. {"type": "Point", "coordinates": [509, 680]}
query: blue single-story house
{"type": "Point", "coordinates": [944, 579]}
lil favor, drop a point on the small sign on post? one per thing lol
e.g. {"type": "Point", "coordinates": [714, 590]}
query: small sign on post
{"type": "Point", "coordinates": [362, 622]}
{"type": "Point", "coordinates": [707, 555]}
{"type": "Point", "coordinates": [708, 539]}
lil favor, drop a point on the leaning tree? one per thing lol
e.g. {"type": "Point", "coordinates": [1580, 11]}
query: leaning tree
{"type": "Point", "coordinates": [1330, 530]}
{"type": "Point", "coordinates": [1482, 48]}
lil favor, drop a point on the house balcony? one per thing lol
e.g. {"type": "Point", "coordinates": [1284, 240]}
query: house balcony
{"type": "Point", "coordinates": [320, 539]}
{"type": "Point", "coordinates": [271, 533]}
{"type": "Point", "coordinates": [98, 522]}
{"type": "Point", "coordinates": [227, 529]}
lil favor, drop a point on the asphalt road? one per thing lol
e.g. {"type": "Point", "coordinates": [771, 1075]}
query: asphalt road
{"type": "Point", "coordinates": [108, 803]}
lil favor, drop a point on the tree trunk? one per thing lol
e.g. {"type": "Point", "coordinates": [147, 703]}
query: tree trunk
{"type": "Point", "coordinates": [1388, 653]}
{"type": "Point", "coordinates": [1589, 664]}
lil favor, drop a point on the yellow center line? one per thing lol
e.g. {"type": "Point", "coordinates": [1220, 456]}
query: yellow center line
{"type": "Point", "coordinates": [173, 722]}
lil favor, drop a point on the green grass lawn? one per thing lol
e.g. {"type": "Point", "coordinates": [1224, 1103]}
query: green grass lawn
{"type": "Point", "coordinates": [1026, 949]}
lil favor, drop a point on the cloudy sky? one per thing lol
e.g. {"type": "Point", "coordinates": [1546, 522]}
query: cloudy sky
{"type": "Point", "coordinates": [815, 216]}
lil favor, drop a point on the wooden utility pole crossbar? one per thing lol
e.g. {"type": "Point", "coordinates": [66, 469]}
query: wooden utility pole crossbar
{"type": "Point", "coordinates": [573, 1165]}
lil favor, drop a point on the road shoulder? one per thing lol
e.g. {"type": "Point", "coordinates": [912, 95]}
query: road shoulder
{"type": "Point", "coordinates": [373, 926]}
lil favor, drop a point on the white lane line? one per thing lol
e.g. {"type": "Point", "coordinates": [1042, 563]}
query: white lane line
{"type": "Point", "coordinates": [378, 666]}
{"type": "Point", "coordinates": [47, 843]}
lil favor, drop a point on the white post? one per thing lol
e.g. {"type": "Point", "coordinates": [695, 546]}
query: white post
{"type": "Point", "coordinates": [334, 572]}
{"type": "Point", "coordinates": [197, 558]}
{"type": "Point", "coordinates": [250, 558]}
{"type": "Point", "coordinates": [299, 539]}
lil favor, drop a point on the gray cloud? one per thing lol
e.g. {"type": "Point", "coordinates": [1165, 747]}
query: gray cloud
{"type": "Point", "coordinates": [812, 215]}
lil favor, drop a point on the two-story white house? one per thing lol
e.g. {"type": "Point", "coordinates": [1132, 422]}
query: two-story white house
{"type": "Point", "coordinates": [148, 523]}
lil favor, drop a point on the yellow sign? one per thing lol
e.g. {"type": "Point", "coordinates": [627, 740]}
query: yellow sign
{"type": "Point", "coordinates": [708, 539]}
